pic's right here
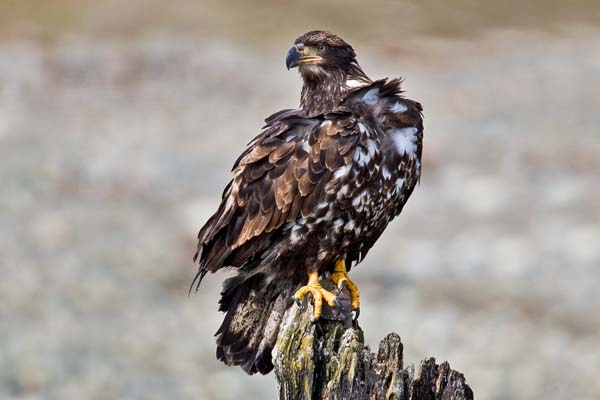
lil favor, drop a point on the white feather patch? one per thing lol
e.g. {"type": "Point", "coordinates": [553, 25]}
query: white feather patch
{"type": "Point", "coordinates": [295, 236]}
{"type": "Point", "coordinates": [399, 183]}
{"type": "Point", "coordinates": [371, 97]}
{"type": "Point", "coordinates": [352, 83]}
{"type": "Point", "coordinates": [360, 198]}
{"type": "Point", "coordinates": [338, 223]}
{"type": "Point", "coordinates": [398, 107]}
{"type": "Point", "coordinates": [362, 128]}
{"type": "Point", "coordinates": [405, 140]}
{"type": "Point", "coordinates": [322, 205]}
{"type": "Point", "coordinates": [361, 156]}
{"type": "Point", "coordinates": [386, 174]}
{"type": "Point", "coordinates": [372, 147]}
{"type": "Point", "coordinates": [341, 171]}
{"type": "Point", "coordinates": [349, 226]}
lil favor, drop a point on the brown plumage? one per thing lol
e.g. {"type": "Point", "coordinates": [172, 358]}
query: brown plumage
{"type": "Point", "coordinates": [319, 184]}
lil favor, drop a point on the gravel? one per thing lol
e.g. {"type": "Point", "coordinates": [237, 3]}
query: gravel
{"type": "Point", "coordinates": [113, 154]}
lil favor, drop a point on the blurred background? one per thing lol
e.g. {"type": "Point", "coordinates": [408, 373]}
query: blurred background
{"type": "Point", "coordinates": [119, 122]}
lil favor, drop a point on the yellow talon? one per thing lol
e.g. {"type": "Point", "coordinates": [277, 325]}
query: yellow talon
{"type": "Point", "coordinates": [339, 276]}
{"type": "Point", "coordinates": [318, 293]}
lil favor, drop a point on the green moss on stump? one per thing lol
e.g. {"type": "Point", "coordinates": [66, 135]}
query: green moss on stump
{"type": "Point", "coordinates": [328, 360]}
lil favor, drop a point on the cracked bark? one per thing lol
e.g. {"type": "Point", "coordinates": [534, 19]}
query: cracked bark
{"type": "Point", "coordinates": [328, 360]}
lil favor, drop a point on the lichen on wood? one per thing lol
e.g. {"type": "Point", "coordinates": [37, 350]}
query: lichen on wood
{"type": "Point", "coordinates": [328, 360]}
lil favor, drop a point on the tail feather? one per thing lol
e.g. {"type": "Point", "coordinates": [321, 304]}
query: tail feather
{"type": "Point", "coordinates": [254, 308]}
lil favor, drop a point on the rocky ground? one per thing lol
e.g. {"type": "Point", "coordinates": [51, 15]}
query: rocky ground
{"type": "Point", "coordinates": [113, 153]}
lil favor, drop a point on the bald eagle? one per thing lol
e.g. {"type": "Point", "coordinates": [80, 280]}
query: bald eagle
{"type": "Point", "coordinates": [309, 197]}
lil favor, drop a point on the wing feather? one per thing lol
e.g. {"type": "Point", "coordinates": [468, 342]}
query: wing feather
{"type": "Point", "coordinates": [278, 179]}
{"type": "Point", "coordinates": [285, 172]}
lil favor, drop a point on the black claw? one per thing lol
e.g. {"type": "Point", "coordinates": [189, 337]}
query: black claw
{"type": "Point", "coordinates": [356, 313]}
{"type": "Point", "coordinates": [297, 301]}
{"type": "Point", "coordinates": [338, 305]}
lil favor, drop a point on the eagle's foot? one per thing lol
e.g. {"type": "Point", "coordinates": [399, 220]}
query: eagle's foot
{"type": "Point", "coordinates": [318, 292]}
{"type": "Point", "coordinates": [339, 276]}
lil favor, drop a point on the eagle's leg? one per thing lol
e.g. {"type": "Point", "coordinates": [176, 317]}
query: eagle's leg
{"type": "Point", "coordinates": [339, 276]}
{"type": "Point", "coordinates": [319, 293]}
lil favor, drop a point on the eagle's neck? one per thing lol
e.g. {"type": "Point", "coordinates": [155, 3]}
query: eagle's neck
{"type": "Point", "coordinates": [324, 90]}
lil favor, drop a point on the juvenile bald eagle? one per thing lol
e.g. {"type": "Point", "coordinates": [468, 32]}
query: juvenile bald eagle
{"type": "Point", "coordinates": [309, 197]}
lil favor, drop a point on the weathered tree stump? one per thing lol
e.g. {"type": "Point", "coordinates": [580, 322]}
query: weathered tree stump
{"type": "Point", "coordinates": [328, 360]}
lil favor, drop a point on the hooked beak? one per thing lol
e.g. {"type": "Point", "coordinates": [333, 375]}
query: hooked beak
{"type": "Point", "coordinates": [299, 55]}
{"type": "Point", "coordinates": [293, 56]}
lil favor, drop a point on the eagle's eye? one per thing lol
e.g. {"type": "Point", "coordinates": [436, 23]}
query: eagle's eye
{"type": "Point", "coordinates": [321, 47]}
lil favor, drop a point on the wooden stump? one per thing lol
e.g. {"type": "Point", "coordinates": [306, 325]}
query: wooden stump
{"type": "Point", "coordinates": [328, 360]}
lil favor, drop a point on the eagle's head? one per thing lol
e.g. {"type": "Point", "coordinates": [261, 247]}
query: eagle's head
{"type": "Point", "coordinates": [319, 53]}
